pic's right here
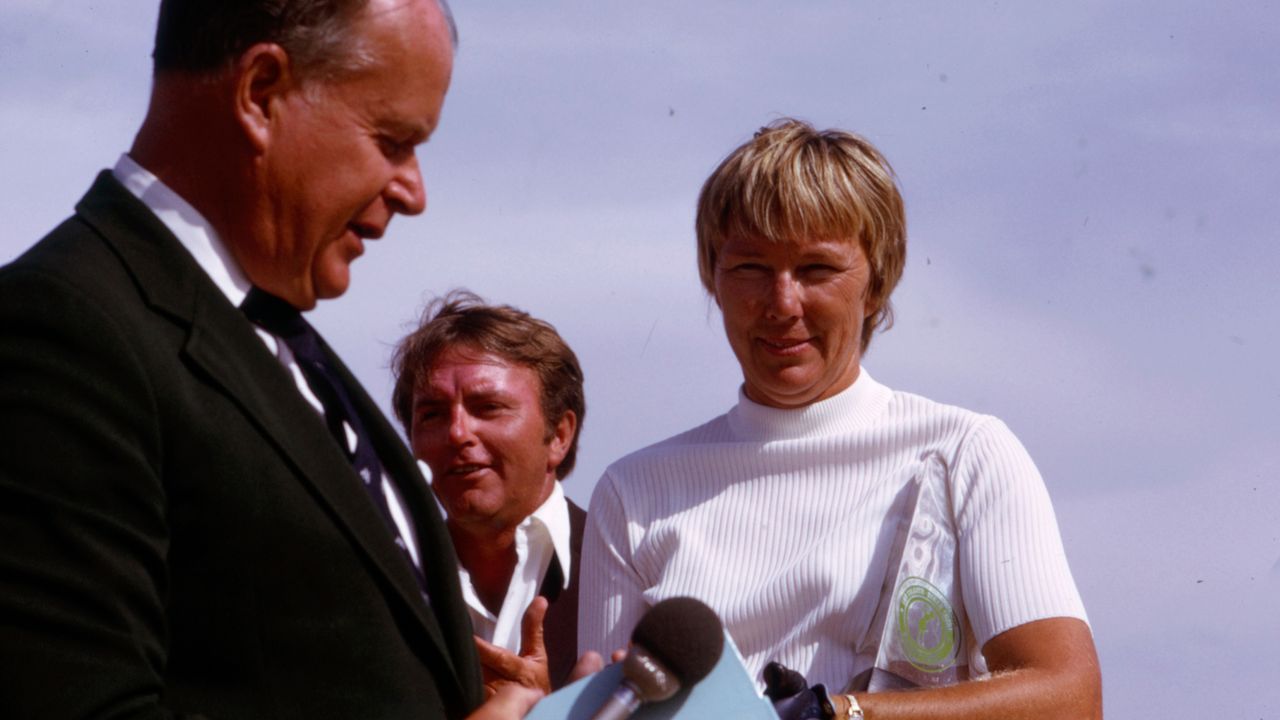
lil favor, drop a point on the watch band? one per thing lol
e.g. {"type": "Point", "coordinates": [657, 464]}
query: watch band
{"type": "Point", "coordinates": [855, 710]}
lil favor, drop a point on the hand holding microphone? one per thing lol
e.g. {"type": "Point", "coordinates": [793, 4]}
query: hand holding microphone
{"type": "Point", "coordinates": [674, 645]}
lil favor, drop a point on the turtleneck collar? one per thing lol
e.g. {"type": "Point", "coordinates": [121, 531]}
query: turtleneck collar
{"type": "Point", "coordinates": [851, 408]}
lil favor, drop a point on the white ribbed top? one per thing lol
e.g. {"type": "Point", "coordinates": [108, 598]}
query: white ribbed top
{"type": "Point", "coordinates": [781, 520]}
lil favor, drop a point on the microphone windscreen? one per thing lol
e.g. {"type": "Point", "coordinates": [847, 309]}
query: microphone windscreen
{"type": "Point", "coordinates": [684, 635]}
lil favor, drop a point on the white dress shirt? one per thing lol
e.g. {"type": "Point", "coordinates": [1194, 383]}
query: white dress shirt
{"type": "Point", "coordinates": [540, 538]}
{"type": "Point", "coordinates": [212, 255]}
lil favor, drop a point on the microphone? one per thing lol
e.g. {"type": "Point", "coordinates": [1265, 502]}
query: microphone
{"type": "Point", "coordinates": [674, 645]}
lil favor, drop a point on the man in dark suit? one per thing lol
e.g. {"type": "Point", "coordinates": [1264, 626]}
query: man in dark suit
{"type": "Point", "coordinates": [492, 400]}
{"type": "Point", "coordinates": [203, 515]}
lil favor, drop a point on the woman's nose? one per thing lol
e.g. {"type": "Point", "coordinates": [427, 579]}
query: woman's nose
{"type": "Point", "coordinates": [784, 297]}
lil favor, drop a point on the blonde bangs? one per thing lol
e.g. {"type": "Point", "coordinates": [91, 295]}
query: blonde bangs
{"type": "Point", "coordinates": [791, 193]}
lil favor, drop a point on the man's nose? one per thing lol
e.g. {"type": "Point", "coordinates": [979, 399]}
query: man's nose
{"type": "Point", "coordinates": [405, 192]}
{"type": "Point", "coordinates": [460, 431]}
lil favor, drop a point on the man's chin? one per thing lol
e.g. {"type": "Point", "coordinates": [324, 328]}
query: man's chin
{"type": "Point", "coordinates": [331, 285]}
{"type": "Point", "coordinates": [299, 295]}
{"type": "Point", "coordinates": [472, 516]}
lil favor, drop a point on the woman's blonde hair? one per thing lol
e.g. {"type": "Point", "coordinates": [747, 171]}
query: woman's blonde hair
{"type": "Point", "coordinates": [792, 182]}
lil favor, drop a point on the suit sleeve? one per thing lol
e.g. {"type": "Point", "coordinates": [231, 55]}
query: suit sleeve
{"type": "Point", "coordinates": [612, 591]}
{"type": "Point", "coordinates": [82, 510]}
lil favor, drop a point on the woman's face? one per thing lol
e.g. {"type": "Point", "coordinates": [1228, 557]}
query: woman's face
{"type": "Point", "coordinates": [793, 312]}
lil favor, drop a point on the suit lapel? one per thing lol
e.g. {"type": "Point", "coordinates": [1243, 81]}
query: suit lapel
{"type": "Point", "coordinates": [223, 345]}
{"type": "Point", "coordinates": [434, 541]}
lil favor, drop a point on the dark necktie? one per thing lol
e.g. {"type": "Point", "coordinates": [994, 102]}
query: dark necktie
{"type": "Point", "coordinates": [285, 322]}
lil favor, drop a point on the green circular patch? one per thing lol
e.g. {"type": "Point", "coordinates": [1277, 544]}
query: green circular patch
{"type": "Point", "coordinates": [927, 626]}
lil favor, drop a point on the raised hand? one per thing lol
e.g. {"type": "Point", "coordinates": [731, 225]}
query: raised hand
{"type": "Point", "coordinates": [528, 668]}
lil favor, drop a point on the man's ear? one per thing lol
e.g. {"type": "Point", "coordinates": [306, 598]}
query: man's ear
{"type": "Point", "coordinates": [562, 439]}
{"type": "Point", "coordinates": [263, 75]}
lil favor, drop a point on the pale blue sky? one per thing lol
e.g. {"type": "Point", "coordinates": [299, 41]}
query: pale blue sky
{"type": "Point", "coordinates": [1091, 189]}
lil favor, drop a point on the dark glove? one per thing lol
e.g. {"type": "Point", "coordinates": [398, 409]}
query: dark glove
{"type": "Point", "coordinates": [792, 697]}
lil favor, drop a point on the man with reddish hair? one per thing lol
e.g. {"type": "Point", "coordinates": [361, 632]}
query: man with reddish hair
{"type": "Point", "coordinates": [492, 400]}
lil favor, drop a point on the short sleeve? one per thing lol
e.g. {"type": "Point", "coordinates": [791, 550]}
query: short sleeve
{"type": "Point", "coordinates": [1013, 567]}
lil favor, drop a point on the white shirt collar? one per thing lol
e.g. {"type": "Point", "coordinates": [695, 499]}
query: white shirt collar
{"type": "Point", "coordinates": [553, 513]}
{"type": "Point", "coordinates": [188, 225]}
{"type": "Point", "coordinates": [539, 542]}
{"type": "Point", "coordinates": [540, 539]}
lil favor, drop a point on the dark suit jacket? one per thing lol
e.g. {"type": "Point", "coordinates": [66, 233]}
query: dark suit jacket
{"type": "Point", "coordinates": [560, 625]}
{"type": "Point", "coordinates": [179, 534]}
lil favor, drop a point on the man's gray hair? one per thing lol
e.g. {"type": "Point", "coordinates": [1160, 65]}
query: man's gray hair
{"type": "Point", "coordinates": [202, 36]}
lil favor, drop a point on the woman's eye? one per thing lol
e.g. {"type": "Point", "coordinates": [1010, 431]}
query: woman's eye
{"type": "Point", "coordinates": [817, 271]}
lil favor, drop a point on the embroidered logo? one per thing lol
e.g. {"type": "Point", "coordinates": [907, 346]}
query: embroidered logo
{"type": "Point", "coordinates": [927, 626]}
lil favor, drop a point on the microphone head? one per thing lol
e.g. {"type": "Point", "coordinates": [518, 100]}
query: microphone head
{"type": "Point", "coordinates": [647, 677]}
{"type": "Point", "coordinates": [684, 635]}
